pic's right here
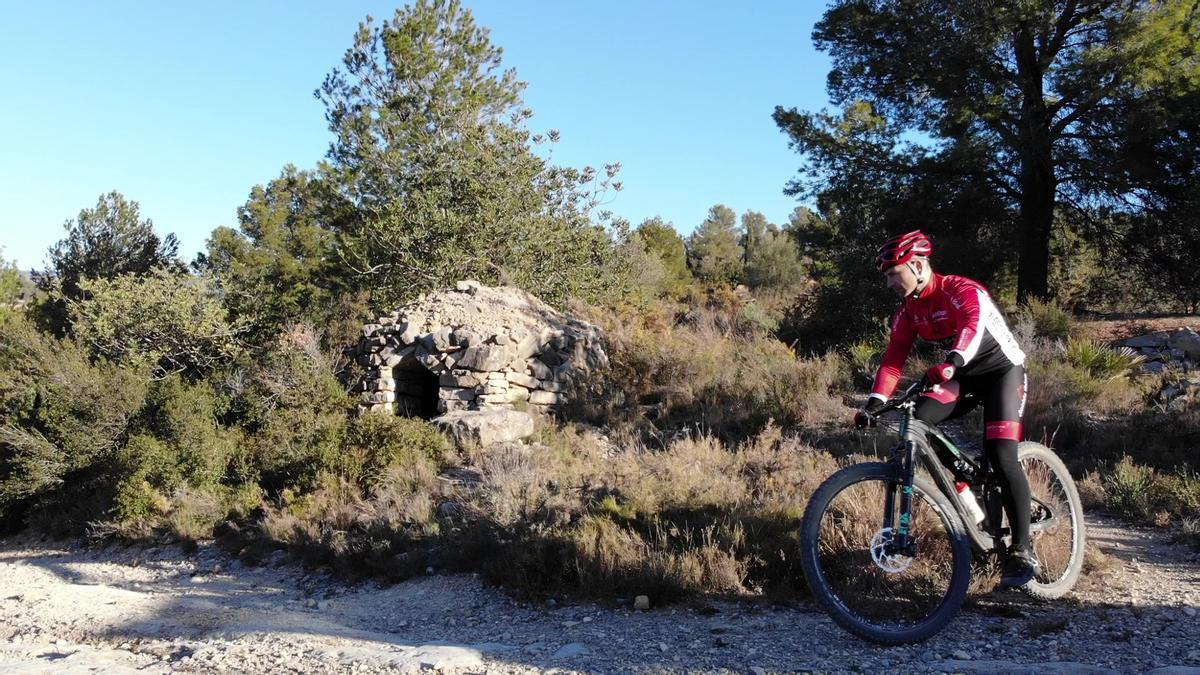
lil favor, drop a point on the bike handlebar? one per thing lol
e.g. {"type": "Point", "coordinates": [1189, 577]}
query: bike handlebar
{"type": "Point", "coordinates": [914, 390]}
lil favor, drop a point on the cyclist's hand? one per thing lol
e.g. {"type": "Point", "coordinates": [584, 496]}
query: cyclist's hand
{"type": "Point", "coordinates": [940, 373]}
{"type": "Point", "coordinates": [864, 418]}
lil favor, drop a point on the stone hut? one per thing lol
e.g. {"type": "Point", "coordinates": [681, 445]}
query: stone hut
{"type": "Point", "coordinates": [474, 348]}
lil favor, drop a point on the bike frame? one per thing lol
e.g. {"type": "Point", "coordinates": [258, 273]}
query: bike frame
{"type": "Point", "coordinates": [914, 450]}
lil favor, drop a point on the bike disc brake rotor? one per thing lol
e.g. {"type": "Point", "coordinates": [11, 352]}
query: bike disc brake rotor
{"type": "Point", "coordinates": [892, 563]}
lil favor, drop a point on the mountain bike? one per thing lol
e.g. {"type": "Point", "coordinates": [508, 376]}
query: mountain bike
{"type": "Point", "coordinates": [886, 547]}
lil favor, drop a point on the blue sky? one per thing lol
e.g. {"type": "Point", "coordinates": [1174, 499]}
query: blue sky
{"type": "Point", "coordinates": [183, 107]}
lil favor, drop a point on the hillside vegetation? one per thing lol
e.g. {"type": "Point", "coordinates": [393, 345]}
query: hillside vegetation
{"type": "Point", "coordinates": [142, 396]}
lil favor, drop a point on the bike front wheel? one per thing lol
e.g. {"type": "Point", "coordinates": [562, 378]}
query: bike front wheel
{"type": "Point", "coordinates": [875, 593]}
{"type": "Point", "coordinates": [1056, 522]}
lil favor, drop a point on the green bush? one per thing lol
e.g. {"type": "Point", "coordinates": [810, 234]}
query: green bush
{"type": "Point", "coordinates": [166, 320]}
{"type": "Point", "coordinates": [1050, 320]}
{"type": "Point", "coordinates": [60, 412]}
{"type": "Point", "coordinates": [1130, 489]}
{"type": "Point", "coordinates": [293, 409]}
{"type": "Point", "coordinates": [376, 443]}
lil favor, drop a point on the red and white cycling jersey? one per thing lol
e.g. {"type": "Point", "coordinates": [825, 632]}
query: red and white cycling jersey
{"type": "Point", "coordinates": [957, 314]}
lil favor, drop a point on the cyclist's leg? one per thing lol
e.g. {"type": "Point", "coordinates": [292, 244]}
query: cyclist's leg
{"type": "Point", "coordinates": [1003, 406]}
{"type": "Point", "coordinates": [943, 402]}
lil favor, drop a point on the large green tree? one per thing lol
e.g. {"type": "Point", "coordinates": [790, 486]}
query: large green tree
{"type": "Point", "coordinates": [715, 251]}
{"type": "Point", "coordinates": [104, 242]}
{"type": "Point", "coordinates": [277, 267]}
{"type": "Point", "coordinates": [1025, 86]}
{"type": "Point", "coordinates": [432, 152]}
{"type": "Point", "coordinates": [660, 239]}
{"type": "Point", "coordinates": [772, 257]}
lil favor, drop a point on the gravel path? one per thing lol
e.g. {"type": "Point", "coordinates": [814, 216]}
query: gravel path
{"type": "Point", "coordinates": [121, 610]}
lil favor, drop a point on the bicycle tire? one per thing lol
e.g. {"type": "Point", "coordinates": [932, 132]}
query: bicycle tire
{"type": "Point", "coordinates": [1054, 581]}
{"type": "Point", "coordinates": [820, 582]}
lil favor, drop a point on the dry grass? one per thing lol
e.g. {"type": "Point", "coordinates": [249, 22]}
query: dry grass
{"type": "Point", "coordinates": [707, 369]}
{"type": "Point", "coordinates": [850, 522]}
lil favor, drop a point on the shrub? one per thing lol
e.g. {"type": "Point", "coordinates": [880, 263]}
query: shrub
{"type": "Point", "coordinates": [1100, 360]}
{"type": "Point", "coordinates": [294, 410]}
{"type": "Point", "coordinates": [165, 320]}
{"type": "Point", "coordinates": [1050, 320]}
{"type": "Point", "coordinates": [708, 370]}
{"type": "Point", "coordinates": [61, 414]}
{"type": "Point", "coordinates": [376, 445]}
{"type": "Point", "coordinates": [1129, 490]}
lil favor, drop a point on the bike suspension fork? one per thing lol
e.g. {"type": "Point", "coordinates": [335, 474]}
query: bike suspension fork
{"type": "Point", "coordinates": [902, 542]}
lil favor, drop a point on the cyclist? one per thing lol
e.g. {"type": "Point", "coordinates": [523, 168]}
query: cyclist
{"type": "Point", "coordinates": [983, 362]}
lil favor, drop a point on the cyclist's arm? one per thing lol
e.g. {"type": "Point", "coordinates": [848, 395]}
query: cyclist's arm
{"type": "Point", "coordinates": [969, 309]}
{"type": "Point", "coordinates": [900, 342]}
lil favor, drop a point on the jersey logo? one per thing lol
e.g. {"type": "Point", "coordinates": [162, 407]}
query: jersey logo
{"type": "Point", "coordinates": [940, 314]}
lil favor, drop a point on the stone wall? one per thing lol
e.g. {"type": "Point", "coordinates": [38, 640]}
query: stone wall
{"type": "Point", "coordinates": [1176, 352]}
{"type": "Point", "coordinates": [474, 348]}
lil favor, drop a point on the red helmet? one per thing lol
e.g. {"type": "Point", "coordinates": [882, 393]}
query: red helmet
{"type": "Point", "coordinates": [901, 249]}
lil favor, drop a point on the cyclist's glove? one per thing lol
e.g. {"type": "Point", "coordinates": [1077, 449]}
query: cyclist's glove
{"type": "Point", "coordinates": [940, 373]}
{"type": "Point", "coordinates": [863, 418]}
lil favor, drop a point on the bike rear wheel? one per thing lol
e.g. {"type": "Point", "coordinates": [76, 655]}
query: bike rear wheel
{"type": "Point", "coordinates": [1057, 529]}
{"type": "Point", "coordinates": [885, 599]}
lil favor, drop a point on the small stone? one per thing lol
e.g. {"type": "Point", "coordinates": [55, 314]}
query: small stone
{"type": "Point", "coordinates": [662, 647]}
{"type": "Point", "coordinates": [1190, 611]}
{"type": "Point", "coordinates": [570, 650]}
{"type": "Point", "coordinates": [641, 602]}
{"type": "Point", "coordinates": [961, 655]}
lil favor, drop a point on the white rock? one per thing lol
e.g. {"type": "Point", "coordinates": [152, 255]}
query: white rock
{"type": "Point", "coordinates": [485, 427]}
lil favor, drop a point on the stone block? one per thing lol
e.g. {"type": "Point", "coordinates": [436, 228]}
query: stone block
{"type": "Point", "coordinates": [527, 381]}
{"type": "Point", "coordinates": [484, 357]}
{"type": "Point", "coordinates": [1187, 341]}
{"type": "Point", "coordinates": [441, 339]}
{"type": "Point", "coordinates": [399, 358]}
{"type": "Point", "coordinates": [374, 397]}
{"type": "Point", "coordinates": [454, 394]}
{"type": "Point", "coordinates": [485, 427]}
{"type": "Point", "coordinates": [462, 337]}
{"type": "Point", "coordinates": [546, 398]}
{"type": "Point", "coordinates": [1157, 340]}
{"type": "Point", "coordinates": [450, 405]}
{"type": "Point", "coordinates": [432, 362]}
{"type": "Point", "coordinates": [409, 332]}
{"type": "Point", "coordinates": [459, 378]}
{"type": "Point", "coordinates": [551, 385]}
{"type": "Point", "coordinates": [467, 286]}
{"type": "Point", "coordinates": [383, 384]}
{"type": "Point", "coordinates": [526, 346]}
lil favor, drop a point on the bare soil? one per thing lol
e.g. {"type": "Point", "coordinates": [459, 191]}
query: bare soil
{"type": "Point", "coordinates": [70, 609]}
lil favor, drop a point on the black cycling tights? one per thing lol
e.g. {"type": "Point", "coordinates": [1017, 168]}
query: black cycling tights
{"type": "Point", "coordinates": [1003, 396]}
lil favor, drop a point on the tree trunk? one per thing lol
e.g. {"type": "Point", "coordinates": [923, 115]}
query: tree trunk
{"type": "Point", "coordinates": [1037, 175]}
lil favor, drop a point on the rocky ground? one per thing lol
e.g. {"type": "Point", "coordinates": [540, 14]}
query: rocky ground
{"type": "Point", "coordinates": [65, 609]}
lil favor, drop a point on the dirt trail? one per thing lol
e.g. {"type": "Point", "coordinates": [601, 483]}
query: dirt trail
{"type": "Point", "coordinates": [121, 610]}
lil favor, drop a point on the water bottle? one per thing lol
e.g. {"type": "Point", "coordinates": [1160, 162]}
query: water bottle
{"type": "Point", "coordinates": [968, 500]}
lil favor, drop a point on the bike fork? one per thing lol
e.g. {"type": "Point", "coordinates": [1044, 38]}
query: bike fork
{"type": "Point", "coordinates": [901, 543]}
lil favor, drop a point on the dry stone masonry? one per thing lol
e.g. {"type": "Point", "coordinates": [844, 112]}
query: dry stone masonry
{"type": "Point", "coordinates": [1177, 351]}
{"type": "Point", "coordinates": [474, 348]}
